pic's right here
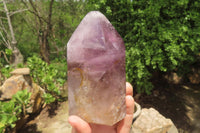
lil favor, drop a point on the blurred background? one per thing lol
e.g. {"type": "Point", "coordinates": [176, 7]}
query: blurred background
{"type": "Point", "coordinates": [162, 40]}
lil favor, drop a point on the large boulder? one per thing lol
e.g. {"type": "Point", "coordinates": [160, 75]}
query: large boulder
{"type": "Point", "coordinates": [21, 80]}
{"type": "Point", "coordinates": [36, 98]}
{"type": "Point", "coordinates": [21, 71]}
{"type": "Point", "coordinates": [12, 85]}
{"type": "Point", "coordinates": [151, 121]}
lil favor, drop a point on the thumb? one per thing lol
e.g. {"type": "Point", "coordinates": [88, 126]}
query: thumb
{"type": "Point", "coordinates": [79, 125]}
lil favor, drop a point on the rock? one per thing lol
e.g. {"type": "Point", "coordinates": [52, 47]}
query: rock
{"type": "Point", "coordinates": [20, 82]}
{"type": "Point", "coordinates": [21, 71]}
{"type": "Point", "coordinates": [2, 78]}
{"type": "Point", "coordinates": [12, 85]}
{"type": "Point", "coordinates": [47, 123]}
{"type": "Point", "coordinates": [194, 78]}
{"type": "Point", "coordinates": [64, 90]}
{"type": "Point", "coordinates": [36, 99]}
{"type": "Point", "coordinates": [151, 121]}
{"type": "Point", "coordinates": [173, 129]}
{"type": "Point", "coordinates": [173, 78]}
{"type": "Point", "coordinates": [94, 62]}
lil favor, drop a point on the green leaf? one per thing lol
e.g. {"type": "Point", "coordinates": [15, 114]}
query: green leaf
{"type": "Point", "coordinates": [48, 98]}
{"type": "Point", "coordinates": [8, 52]}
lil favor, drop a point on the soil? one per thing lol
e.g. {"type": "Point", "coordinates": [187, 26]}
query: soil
{"type": "Point", "coordinates": [179, 102]}
{"type": "Point", "coordinates": [52, 119]}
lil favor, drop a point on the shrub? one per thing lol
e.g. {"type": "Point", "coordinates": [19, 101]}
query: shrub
{"type": "Point", "coordinates": [13, 110]}
{"type": "Point", "coordinates": [160, 36]}
{"type": "Point", "coordinates": [47, 76]}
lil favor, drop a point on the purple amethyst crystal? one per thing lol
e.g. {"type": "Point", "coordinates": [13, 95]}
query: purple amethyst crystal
{"type": "Point", "coordinates": [96, 71]}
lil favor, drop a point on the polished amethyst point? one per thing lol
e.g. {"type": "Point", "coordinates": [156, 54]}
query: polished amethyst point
{"type": "Point", "coordinates": [96, 71]}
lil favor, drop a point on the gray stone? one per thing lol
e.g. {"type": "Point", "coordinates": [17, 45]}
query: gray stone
{"type": "Point", "coordinates": [174, 78]}
{"type": "Point", "coordinates": [151, 121]}
{"type": "Point", "coordinates": [21, 71]}
{"type": "Point", "coordinates": [36, 99]}
{"type": "Point", "coordinates": [20, 82]}
{"type": "Point", "coordinates": [12, 85]}
{"type": "Point", "coordinates": [173, 129]}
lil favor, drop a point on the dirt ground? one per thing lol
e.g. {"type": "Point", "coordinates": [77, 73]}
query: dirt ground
{"type": "Point", "coordinates": [179, 102]}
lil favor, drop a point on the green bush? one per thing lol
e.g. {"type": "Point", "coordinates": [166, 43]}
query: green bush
{"type": "Point", "coordinates": [47, 76]}
{"type": "Point", "coordinates": [5, 70]}
{"type": "Point", "coordinates": [160, 36]}
{"type": "Point", "coordinates": [13, 110]}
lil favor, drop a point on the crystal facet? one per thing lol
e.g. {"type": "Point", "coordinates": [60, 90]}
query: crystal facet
{"type": "Point", "coordinates": [96, 71]}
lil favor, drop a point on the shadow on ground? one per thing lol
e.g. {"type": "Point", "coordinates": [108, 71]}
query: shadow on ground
{"type": "Point", "coordinates": [30, 129]}
{"type": "Point", "coordinates": [50, 120]}
{"type": "Point", "coordinates": [179, 102]}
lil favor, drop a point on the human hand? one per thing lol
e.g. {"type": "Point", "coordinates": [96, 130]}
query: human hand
{"type": "Point", "coordinates": [123, 126]}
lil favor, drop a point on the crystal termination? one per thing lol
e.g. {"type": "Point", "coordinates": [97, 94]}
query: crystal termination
{"type": "Point", "coordinates": [96, 71]}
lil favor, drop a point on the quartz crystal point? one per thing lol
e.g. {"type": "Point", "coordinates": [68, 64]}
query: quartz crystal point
{"type": "Point", "coordinates": [96, 71]}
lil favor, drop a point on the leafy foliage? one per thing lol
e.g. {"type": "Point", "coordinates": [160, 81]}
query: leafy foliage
{"type": "Point", "coordinates": [13, 110]}
{"type": "Point", "coordinates": [159, 36]}
{"type": "Point", "coordinates": [5, 70]}
{"type": "Point", "coordinates": [47, 76]}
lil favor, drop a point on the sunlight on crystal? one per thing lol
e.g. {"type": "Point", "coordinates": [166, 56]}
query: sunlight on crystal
{"type": "Point", "coordinates": [96, 71]}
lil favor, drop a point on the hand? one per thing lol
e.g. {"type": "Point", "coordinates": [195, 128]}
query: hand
{"type": "Point", "coordinates": [123, 126]}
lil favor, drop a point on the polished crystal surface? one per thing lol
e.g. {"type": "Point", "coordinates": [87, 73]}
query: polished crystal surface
{"type": "Point", "coordinates": [96, 71]}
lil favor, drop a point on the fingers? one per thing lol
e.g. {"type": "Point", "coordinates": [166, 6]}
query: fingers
{"type": "Point", "coordinates": [129, 105]}
{"type": "Point", "coordinates": [124, 126]}
{"type": "Point", "coordinates": [79, 125]}
{"type": "Point", "coordinates": [129, 89]}
{"type": "Point", "coordinates": [129, 99]}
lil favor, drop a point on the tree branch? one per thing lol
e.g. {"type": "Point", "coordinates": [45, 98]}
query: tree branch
{"type": "Point", "coordinates": [2, 10]}
{"type": "Point", "coordinates": [3, 18]}
{"type": "Point", "coordinates": [4, 54]}
{"type": "Point", "coordinates": [3, 28]}
{"type": "Point", "coordinates": [13, 41]}
{"type": "Point", "coordinates": [12, 13]}
{"type": "Point", "coordinates": [35, 11]}
{"type": "Point", "coordinates": [7, 44]}
{"type": "Point", "coordinates": [50, 13]}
